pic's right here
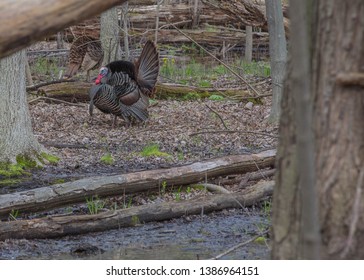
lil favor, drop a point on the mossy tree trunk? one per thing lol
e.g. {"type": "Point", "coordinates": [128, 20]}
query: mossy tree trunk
{"type": "Point", "coordinates": [336, 61]}
{"type": "Point", "coordinates": [16, 135]}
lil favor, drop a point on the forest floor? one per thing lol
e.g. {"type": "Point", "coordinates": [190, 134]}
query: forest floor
{"type": "Point", "coordinates": [177, 133]}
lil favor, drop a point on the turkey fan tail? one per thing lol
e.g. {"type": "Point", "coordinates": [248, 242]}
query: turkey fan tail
{"type": "Point", "coordinates": [148, 67]}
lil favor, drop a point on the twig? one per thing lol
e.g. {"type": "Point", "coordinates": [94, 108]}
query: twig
{"type": "Point", "coordinates": [217, 114]}
{"type": "Point", "coordinates": [232, 131]}
{"type": "Point", "coordinates": [64, 145]}
{"type": "Point", "coordinates": [49, 83]}
{"type": "Point", "coordinates": [355, 215]}
{"type": "Point", "coordinates": [239, 245]}
{"type": "Point", "coordinates": [209, 53]}
{"type": "Point", "coordinates": [55, 100]}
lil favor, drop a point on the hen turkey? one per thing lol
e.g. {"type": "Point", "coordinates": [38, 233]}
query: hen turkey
{"type": "Point", "coordinates": [123, 88]}
{"type": "Point", "coordinates": [85, 53]}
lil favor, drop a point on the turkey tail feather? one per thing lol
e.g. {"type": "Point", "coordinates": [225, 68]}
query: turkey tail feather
{"type": "Point", "coordinates": [148, 66]}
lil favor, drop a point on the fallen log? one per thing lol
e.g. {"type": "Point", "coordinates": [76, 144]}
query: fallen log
{"type": "Point", "coordinates": [70, 92]}
{"type": "Point", "coordinates": [176, 91]}
{"type": "Point", "coordinates": [52, 227]}
{"type": "Point", "coordinates": [23, 22]}
{"type": "Point", "coordinates": [60, 195]}
{"type": "Point", "coordinates": [78, 91]}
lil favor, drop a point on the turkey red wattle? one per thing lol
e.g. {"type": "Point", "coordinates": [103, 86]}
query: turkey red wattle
{"type": "Point", "coordinates": [98, 79]}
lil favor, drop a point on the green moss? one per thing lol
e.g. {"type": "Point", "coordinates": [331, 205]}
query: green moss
{"type": "Point", "coordinates": [50, 158]}
{"type": "Point", "coordinates": [260, 240]}
{"type": "Point", "coordinates": [13, 170]}
{"type": "Point", "coordinates": [24, 162]}
{"type": "Point", "coordinates": [58, 181]}
{"type": "Point", "coordinates": [153, 150]}
{"type": "Point", "coordinates": [107, 159]}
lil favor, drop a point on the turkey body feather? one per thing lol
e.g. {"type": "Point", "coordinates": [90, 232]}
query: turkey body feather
{"type": "Point", "coordinates": [123, 88]}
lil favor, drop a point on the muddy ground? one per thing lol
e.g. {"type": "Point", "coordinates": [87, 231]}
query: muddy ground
{"type": "Point", "coordinates": [187, 131]}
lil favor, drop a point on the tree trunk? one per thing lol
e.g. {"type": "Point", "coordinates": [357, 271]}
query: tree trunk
{"type": "Point", "coordinates": [16, 135]}
{"type": "Point", "coordinates": [124, 18]}
{"type": "Point", "coordinates": [248, 44]}
{"type": "Point", "coordinates": [109, 36]}
{"type": "Point", "coordinates": [278, 54]}
{"type": "Point", "coordinates": [337, 53]}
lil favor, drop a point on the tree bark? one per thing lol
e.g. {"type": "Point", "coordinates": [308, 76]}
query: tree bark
{"type": "Point", "coordinates": [16, 135]}
{"type": "Point", "coordinates": [278, 54]}
{"type": "Point", "coordinates": [23, 22]}
{"type": "Point", "coordinates": [58, 195]}
{"type": "Point", "coordinates": [336, 47]}
{"type": "Point", "coordinates": [51, 227]}
{"type": "Point", "coordinates": [339, 112]}
{"type": "Point", "coordinates": [310, 229]}
{"type": "Point", "coordinates": [125, 22]}
{"type": "Point", "coordinates": [109, 36]}
{"type": "Point", "coordinates": [248, 44]}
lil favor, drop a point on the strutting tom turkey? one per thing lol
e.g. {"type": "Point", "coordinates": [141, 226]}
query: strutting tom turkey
{"type": "Point", "coordinates": [123, 88]}
{"type": "Point", "coordinates": [86, 53]}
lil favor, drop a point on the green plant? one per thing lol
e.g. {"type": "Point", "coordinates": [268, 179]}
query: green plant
{"type": "Point", "coordinates": [94, 205]}
{"type": "Point", "coordinates": [267, 208]}
{"type": "Point", "coordinates": [164, 187]}
{"type": "Point", "coordinates": [153, 150]}
{"type": "Point", "coordinates": [180, 156]}
{"type": "Point", "coordinates": [216, 97]}
{"type": "Point", "coordinates": [128, 205]}
{"type": "Point", "coordinates": [14, 214]}
{"type": "Point", "coordinates": [205, 83]}
{"type": "Point", "coordinates": [107, 159]}
{"type": "Point", "coordinates": [44, 66]}
{"type": "Point", "coordinates": [191, 96]}
{"type": "Point", "coordinates": [135, 220]}
{"type": "Point", "coordinates": [177, 194]}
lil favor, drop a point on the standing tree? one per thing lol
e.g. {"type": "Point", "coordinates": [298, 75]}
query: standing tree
{"type": "Point", "coordinates": [335, 60]}
{"type": "Point", "coordinates": [277, 52]}
{"type": "Point", "coordinates": [248, 44]}
{"type": "Point", "coordinates": [109, 35]}
{"type": "Point", "coordinates": [16, 137]}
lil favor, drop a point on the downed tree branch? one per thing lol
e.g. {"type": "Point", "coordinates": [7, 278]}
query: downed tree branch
{"type": "Point", "coordinates": [59, 195]}
{"type": "Point", "coordinates": [78, 91]}
{"type": "Point", "coordinates": [232, 131]}
{"type": "Point", "coordinates": [55, 100]}
{"type": "Point", "coordinates": [51, 227]}
{"type": "Point", "coordinates": [177, 91]}
{"type": "Point", "coordinates": [34, 87]}
{"type": "Point", "coordinates": [219, 116]}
